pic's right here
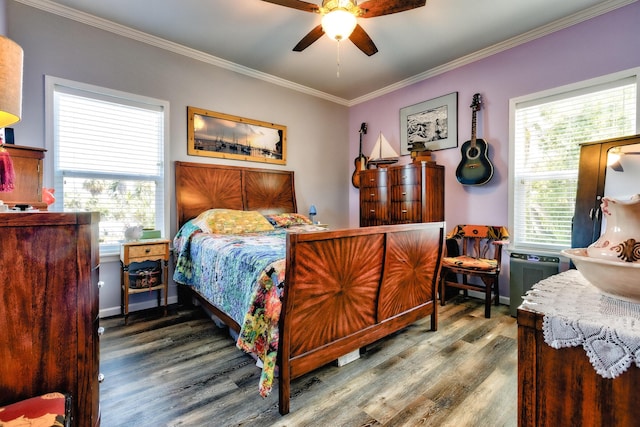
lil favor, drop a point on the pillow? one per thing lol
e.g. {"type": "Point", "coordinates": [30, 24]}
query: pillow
{"type": "Point", "coordinates": [229, 221]}
{"type": "Point", "coordinates": [305, 228]}
{"type": "Point", "coordinates": [285, 220]}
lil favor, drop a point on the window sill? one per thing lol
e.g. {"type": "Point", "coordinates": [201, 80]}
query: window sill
{"type": "Point", "coordinates": [109, 256]}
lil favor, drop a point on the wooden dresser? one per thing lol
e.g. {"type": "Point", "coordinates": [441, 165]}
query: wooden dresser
{"type": "Point", "coordinates": [49, 318]}
{"type": "Point", "coordinates": [561, 388]}
{"type": "Point", "coordinates": [27, 163]}
{"type": "Point", "coordinates": [402, 194]}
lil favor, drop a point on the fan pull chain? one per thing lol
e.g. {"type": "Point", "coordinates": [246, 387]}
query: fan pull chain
{"type": "Point", "coordinates": [338, 61]}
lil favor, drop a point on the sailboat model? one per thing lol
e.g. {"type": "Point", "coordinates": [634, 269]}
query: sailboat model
{"type": "Point", "coordinates": [382, 153]}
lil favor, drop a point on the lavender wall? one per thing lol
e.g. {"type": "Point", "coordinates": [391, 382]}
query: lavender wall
{"type": "Point", "coordinates": [599, 46]}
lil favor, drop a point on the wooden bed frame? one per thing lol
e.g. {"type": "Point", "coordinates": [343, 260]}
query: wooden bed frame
{"type": "Point", "coordinates": [345, 289]}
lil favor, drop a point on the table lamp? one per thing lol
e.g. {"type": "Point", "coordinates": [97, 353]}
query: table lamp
{"type": "Point", "coordinates": [11, 58]}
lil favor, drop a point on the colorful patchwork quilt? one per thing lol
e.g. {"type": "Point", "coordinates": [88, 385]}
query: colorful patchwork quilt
{"type": "Point", "coordinates": [242, 275]}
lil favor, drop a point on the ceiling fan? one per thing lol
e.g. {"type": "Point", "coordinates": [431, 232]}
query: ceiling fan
{"type": "Point", "coordinates": [347, 10]}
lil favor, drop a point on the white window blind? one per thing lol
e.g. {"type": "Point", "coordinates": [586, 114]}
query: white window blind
{"type": "Point", "coordinates": [109, 157]}
{"type": "Point", "coordinates": [546, 137]}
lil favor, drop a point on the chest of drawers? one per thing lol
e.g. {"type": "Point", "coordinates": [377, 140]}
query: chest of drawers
{"type": "Point", "coordinates": [402, 194]}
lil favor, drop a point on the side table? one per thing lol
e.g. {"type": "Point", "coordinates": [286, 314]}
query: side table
{"type": "Point", "coordinates": [560, 387]}
{"type": "Point", "coordinates": [140, 251]}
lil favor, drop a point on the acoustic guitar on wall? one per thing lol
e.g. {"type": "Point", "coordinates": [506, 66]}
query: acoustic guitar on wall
{"type": "Point", "coordinates": [475, 167]}
{"type": "Point", "coordinates": [360, 161]}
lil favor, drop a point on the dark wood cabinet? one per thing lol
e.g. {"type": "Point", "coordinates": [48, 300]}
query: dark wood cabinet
{"type": "Point", "coordinates": [561, 388]}
{"type": "Point", "coordinates": [49, 320]}
{"type": "Point", "coordinates": [374, 204]}
{"type": "Point", "coordinates": [592, 171]}
{"type": "Point", "coordinates": [402, 194]}
{"type": "Point", "coordinates": [27, 163]}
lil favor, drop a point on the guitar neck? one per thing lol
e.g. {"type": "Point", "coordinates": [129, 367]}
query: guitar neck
{"type": "Point", "coordinates": [475, 107]}
{"type": "Point", "coordinates": [473, 129]}
{"type": "Point", "coordinates": [362, 131]}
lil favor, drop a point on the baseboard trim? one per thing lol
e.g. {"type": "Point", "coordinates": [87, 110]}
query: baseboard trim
{"type": "Point", "coordinates": [503, 300]}
{"type": "Point", "coordinates": [115, 311]}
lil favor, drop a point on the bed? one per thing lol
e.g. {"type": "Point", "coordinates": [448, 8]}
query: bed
{"type": "Point", "coordinates": [331, 292]}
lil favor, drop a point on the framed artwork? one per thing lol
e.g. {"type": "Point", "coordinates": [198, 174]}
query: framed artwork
{"type": "Point", "coordinates": [212, 134]}
{"type": "Point", "coordinates": [6, 136]}
{"type": "Point", "coordinates": [433, 123]}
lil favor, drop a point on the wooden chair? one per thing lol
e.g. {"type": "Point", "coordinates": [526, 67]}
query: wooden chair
{"type": "Point", "coordinates": [480, 255]}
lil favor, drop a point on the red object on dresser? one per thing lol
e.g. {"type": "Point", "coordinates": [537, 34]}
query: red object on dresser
{"type": "Point", "coordinates": [49, 325]}
{"type": "Point", "coordinates": [51, 409]}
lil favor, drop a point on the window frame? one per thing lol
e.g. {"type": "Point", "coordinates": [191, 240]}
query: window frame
{"type": "Point", "coordinates": [561, 92]}
{"type": "Point", "coordinates": [52, 83]}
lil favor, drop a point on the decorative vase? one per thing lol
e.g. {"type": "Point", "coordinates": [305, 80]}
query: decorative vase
{"type": "Point", "coordinates": [133, 233]}
{"type": "Point", "coordinates": [621, 239]}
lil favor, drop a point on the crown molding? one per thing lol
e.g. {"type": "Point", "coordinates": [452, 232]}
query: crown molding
{"type": "Point", "coordinates": [85, 18]}
{"type": "Point", "coordinates": [558, 25]}
{"type": "Point", "coordinates": [104, 24]}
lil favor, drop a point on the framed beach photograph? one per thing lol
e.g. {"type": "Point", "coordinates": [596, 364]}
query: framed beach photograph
{"type": "Point", "coordinates": [433, 123]}
{"type": "Point", "coordinates": [213, 134]}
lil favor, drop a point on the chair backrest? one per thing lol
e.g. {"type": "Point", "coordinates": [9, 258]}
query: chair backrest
{"type": "Point", "coordinates": [477, 241]}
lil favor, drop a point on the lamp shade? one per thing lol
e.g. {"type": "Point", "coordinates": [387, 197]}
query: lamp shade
{"type": "Point", "coordinates": [339, 24]}
{"type": "Point", "coordinates": [11, 58]}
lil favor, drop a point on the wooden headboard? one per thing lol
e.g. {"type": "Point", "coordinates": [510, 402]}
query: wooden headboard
{"type": "Point", "coordinates": [205, 186]}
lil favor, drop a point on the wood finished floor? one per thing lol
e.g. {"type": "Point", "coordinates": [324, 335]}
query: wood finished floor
{"type": "Point", "coordinates": [181, 370]}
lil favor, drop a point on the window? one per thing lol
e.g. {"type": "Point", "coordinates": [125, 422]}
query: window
{"type": "Point", "coordinates": [546, 132]}
{"type": "Point", "coordinates": [109, 156]}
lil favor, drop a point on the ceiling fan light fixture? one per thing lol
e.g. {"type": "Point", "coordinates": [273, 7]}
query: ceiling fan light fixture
{"type": "Point", "coordinates": [339, 24]}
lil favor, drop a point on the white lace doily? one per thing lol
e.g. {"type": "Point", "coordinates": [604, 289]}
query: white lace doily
{"type": "Point", "coordinates": [576, 313]}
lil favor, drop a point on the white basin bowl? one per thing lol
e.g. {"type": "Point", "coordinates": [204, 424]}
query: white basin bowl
{"type": "Point", "coordinates": [613, 278]}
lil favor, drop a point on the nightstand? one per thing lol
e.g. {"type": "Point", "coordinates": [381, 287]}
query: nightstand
{"type": "Point", "coordinates": [141, 251]}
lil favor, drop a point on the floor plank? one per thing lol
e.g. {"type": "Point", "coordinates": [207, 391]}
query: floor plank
{"type": "Point", "coordinates": [182, 370]}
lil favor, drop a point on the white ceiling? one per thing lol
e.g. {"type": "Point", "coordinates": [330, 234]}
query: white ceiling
{"type": "Point", "coordinates": [256, 37]}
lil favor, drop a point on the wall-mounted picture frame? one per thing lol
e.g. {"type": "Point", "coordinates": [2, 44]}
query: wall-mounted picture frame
{"type": "Point", "coordinates": [433, 123]}
{"type": "Point", "coordinates": [6, 136]}
{"type": "Point", "coordinates": [214, 134]}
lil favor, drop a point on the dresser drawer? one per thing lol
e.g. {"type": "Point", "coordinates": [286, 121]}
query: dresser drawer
{"type": "Point", "coordinates": [405, 212]}
{"type": "Point", "coordinates": [147, 250]}
{"type": "Point", "coordinates": [407, 175]}
{"type": "Point", "coordinates": [373, 213]}
{"type": "Point", "coordinates": [144, 251]}
{"type": "Point", "coordinates": [373, 178]}
{"type": "Point", "coordinates": [405, 193]}
{"type": "Point", "coordinates": [373, 194]}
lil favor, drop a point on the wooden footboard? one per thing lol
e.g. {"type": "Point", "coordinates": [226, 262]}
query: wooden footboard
{"type": "Point", "coordinates": [348, 288]}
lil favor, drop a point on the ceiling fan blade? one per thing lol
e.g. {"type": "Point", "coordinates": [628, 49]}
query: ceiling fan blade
{"type": "Point", "coordinates": [373, 8]}
{"type": "Point", "coordinates": [361, 39]}
{"type": "Point", "coordinates": [617, 166]}
{"type": "Point", "coordinates": [296, 4]}
{"type": "Point", "coordinates": [309, 39]}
